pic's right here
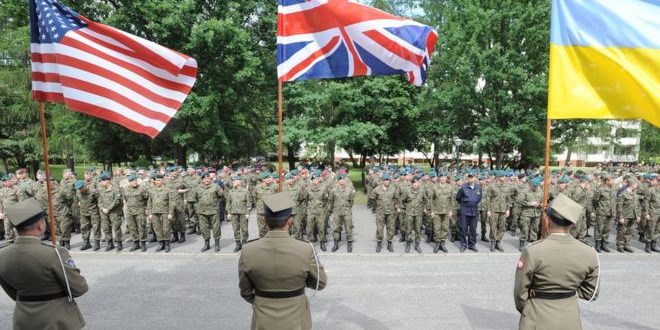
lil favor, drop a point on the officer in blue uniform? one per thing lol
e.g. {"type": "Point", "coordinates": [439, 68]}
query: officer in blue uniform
{"type": "Point", "coordinates": [468, 197]}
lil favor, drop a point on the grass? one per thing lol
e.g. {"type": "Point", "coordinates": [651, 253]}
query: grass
{"type": "Point", "coordinates": [356, 177]}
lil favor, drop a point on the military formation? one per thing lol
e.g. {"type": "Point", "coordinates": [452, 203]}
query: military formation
{"type": "Point", "coordinates": [160, 207]}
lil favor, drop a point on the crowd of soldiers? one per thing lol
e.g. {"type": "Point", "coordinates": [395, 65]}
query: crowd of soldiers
{"type": "Point", "coordinates": [408, 201]}
{"type": "Point", "coordinates": [162, 206]}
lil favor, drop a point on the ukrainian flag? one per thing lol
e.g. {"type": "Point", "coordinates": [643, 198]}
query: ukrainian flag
{"type": "Point", "coordinates": [605, 60]}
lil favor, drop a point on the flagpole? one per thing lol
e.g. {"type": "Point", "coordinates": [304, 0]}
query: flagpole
{"type": "Point", "coordinates": [546, 176]}
{"type": "Point", "coordinates": [280, 101]}
{"type": "Point", "coordinates": [44, 140]}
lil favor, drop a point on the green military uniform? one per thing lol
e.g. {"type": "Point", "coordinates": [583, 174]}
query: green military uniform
{"type": "Point", "coordinates": [39, 284]}
{"type": "Point", "coordinates": [580, 195]}
{"type": "Point", "coordinates": [498, 202]}
{"type": "Point", "coordinates": [191, 181]}
{"type": "Point", "coordinates": [516, 209]}
{"type": "Point", "coordinates": [629, 211]}
{"type": "Point", "coordinates": [110, 202]}
{"type": "Point", "coordinates": [552, 273]}
{"type": "Point", "coordinates": [177, 187]}
{"type": "Point", "coordinates": [652, 207]}
{"type": "Point", "coordinates": [239, 203]}
{"type": "Point", "coordinates": [160, 207]}
{"type": "Point", "coordinates": [63, 224]}
{"type": "Point", "coordinates": [414, 200]}
{"type": "Point", "coordinates": [386, 199]}
{"type": "Point", "coordinates": [484, 221]}
{"type": "Point", "coordinates": [9, 195]}
{"type": "Point", "coordinates": [300, 210]}
{"type": "Point", "coordinates": [530, 216]}
{"type": "Point", "coordinates": [317, 197]}
{"type": "Point", "coordinates": [136, 198]}
{"type": "Point", "coordinates": [299, 196]}
{"type": "Point", "coordinates": [274, 271]}
{"type": "Point", "coordinates": [89, 213]}
{"type": "Point", "coordinates": [341, 203]}
{"type": "Point", "coordinates": [68, 186]}
{"type": "Point", "coordinates": [605, 206]}
{"type": "Point", "coordinates": [442, 210]}
{"type": "Point", "coordinates": [208, 199]}
{"type": "Point", "coordinates": [263, 189]}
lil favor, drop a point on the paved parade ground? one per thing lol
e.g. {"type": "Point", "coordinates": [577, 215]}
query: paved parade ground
{"type": "Point", "coordinates": [186, 289]}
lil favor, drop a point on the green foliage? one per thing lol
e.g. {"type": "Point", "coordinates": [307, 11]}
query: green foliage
{"type": "Point", "coordinates": [650, 143]}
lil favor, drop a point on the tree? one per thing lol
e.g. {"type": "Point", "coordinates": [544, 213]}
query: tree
{"type": "Point", "coordinates": [649, 148]}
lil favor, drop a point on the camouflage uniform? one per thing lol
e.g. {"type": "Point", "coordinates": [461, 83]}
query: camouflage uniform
{"type": "Point", "coordinates": [341, 204]}
{"type": "Point", "coordinates": [630, 212]}
{"type": "Point", "coordinates": [136, 204]}
{"type": "Point", "coordinates": [89, 213]}
{"type": "Point", "coordinates": [259, 192]}
{"type": "Point", "coordinates": [110, 199]}
{"type": "Point", "coordinates": [239, 203]}
{"type": "Point", "coordinates": [8, 197]}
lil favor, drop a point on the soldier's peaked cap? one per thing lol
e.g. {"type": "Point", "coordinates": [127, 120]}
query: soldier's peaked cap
{"type": "Point", "coordinates": [564, 211]}
{"type": "Point", "coordinates": [25, 213]}
{"type": "Point", "coordinates": [278, 206]}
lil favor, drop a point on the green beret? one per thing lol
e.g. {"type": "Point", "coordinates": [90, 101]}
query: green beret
{"type": "Point", "coordinates": [564, 179]}
{"type": "Point", "coordinates": [537, 181]}
{"type": "Point", "coordinates": [104, 176]}
{"type": "Point", "coordinates": [275, 176]}
{"type": "Point", "coordinates": [132, 177]}
{"type": "Point", "coordinates": [79, 184]}
{"type": "Point", "coordinates": [264, 175]}
{"type": "Point", "coordinates": [386, 176]}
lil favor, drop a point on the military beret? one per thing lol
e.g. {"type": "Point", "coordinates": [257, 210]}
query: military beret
{"type": "Point", "coordinates": [264, 175]}
{"type": "Point", "coordinates": [564, 211]}
{"type": "Point", "coordinates": [21, 171]}
{"type": "Point", "coordinates": [132, 177]}
{"type": "Point", "coordinates": [458, 177]}
{"type": "Point", "coordinates": [275, 176]}
{"type": "Point", "coordinates": [159, 176]}
{"type": "Point", "coordinates": [104, 177]}
{"type": "Point", "coordinates": [537, 181]}
{"type": "Point", "coordinates": [288, 176]}
{"type": "Point", "coordinates": [79, 184]}
{"type": "Point", "coordinates": [294, 172]}
{"type": "Point", "coordinates": [25, 213]}
{"type": "Point", "coordinates": [386, 176]}
{"type": "Point", "coordinates": [564, 179]}
{"type": "Point", "coordinates": [278, 206]}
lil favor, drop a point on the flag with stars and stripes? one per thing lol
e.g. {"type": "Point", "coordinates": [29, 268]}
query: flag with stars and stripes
{"type": "Point", "coordinates": [344, 38]}
{"type": "Point", "coordinates": [104, 72]}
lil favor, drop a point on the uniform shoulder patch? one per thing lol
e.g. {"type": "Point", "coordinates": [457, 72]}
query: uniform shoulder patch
{"type": "Point", "coordinates": [70, 263]}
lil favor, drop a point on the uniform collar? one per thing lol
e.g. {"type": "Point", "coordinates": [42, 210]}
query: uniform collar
{"type": "Point", "coordinates": [27, 239]}
{"type": "Point", "coordinates": [560, 237]}
{"type": "Point", "coordinates": [277, 234]}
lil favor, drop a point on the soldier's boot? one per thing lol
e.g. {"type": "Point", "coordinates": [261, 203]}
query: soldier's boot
{"type": "Point", "coordinates": [238, 246]}
{"type": "Point", "coordinates": [67, 245]}
{"type": "Point", "coordinates": [323, 248]}
{"type": "Point", "coordinates": [86, 245]}
{"type": "Point", "coordinates": [143, 246]}
{"type": "Point", "coordinates": [136, 246]}
{"type": "Point", "coordinates": [389, 246]}
{"type": "Point", "coordinates": [161, 247]}
{"type": "Point", "coordinates": [110, 246]}
{"type": "Point", "coordinates": [642, 238]}
{"type": "Point", "coordinates": [403, 237]}
{"type": "Point", "coordinates": [167, 247]}
{"type": "Point", "coordinates": [120, 246]}
{"type": "Point", "coordinates": [453, 237]}
{"type": "Point", "coordinates": [436, 248]}
{"type": "Point", "coordinates": [2, 237]}
{"type": "Point", "coordinates": [198, 231]}
{"type": "Point", "coordinates": [206, 246]}
{"type": "Point", "coordinates": [417, 248]}
{"type": "Point", "coordinates": [379, 246]}
{"type": "Point", "coordinates": [339, 236]}
{"type": "Point", "coordinates": [349, 246]}
{"type": "Point", "coordinates": [408, 247]}
{"type": "Point", "coordinates": [314, 239]}
{"type": "Point", "coordinates": [619, 248]}
{"type": "Point", "coordinates": [492, 246]}
{"type": "Point", "coordinates": [484, 238]}
{"type": "Point", "coordinates": [513, 233]}
{"type": "Point", "coordinates": [182, 237]}
{"type": "Point", "coordinates": [175, 238]}
{"type": "Point", "coordinates": [654, 245]}
{"type": "Point", "coordinates": [647, 248]}
{"type": "Point", "coordinates": [628, 249]}
{"type": "Point", "coordinates": [498, 247]}
{"type": "Point", "coordinates": [97, 245]}
{"type": "Point", "coordinates": [604, 246]}
{"type": "Point", "coordinates": [521, 246]}
{"type": "Point", "coordinates": [599, 245]}
{"type": "Point", "coordinates": [192, 230]}
{"type": "Point", "coordinates": [76, 228]}
{"type": "Point", "coordinates": [443, 248]}
{"type": "Point", "coordinates": [428, 238]}
{"type": "Point", "coordinates": [336, 246]}
{"type": "Point", "coordinates": [153, 238]}
{"type": "Point", "coordinates": [217, 245]}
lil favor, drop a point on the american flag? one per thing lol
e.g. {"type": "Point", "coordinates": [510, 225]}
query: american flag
{"type": "Point", "coordinates": [343, 38]}
{"type": "Point", "coordinates": [104, 72]}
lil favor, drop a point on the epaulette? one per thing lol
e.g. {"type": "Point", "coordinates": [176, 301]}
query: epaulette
{"type": "Point", "coordinates": [302, 240]}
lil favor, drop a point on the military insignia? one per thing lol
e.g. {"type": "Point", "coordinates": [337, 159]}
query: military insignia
{"type": "Point", "coordinates": [521, 263]}
{"type": "Point", "coordinates": [70, 262]}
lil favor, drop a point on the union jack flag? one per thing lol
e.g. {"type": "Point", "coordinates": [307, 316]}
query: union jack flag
{"type": "Point", "coordinates": [342, 38]}
{"type": "Point", "coordinates": [104, 72]}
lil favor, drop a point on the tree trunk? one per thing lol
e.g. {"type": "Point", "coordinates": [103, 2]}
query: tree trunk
{"type": "Point", "coordinates": [331, 153]}
{"type": "Point", "coordinates": [70, 162]}
{"type": "Point", "coordinates": [490, 158]}
{"type": "Point", "coordinates": [350, 155]}
{"type": "Point", "coordinates": [569, 153]}
{"type": "Point", "coordinates": [498, 154]}
{"type": "Point", "coordinates": [481, 160]}
{"type": "Point", "coordinates": [34, 167]}
{"type": "Point", "coordinates": [5, 165]}
{"type": "Point", "coordinates": [180, 155]}
{"type": "Point", "coordinates": [291, 157]}
{"type": "Point", "coordinates": [363, 161]}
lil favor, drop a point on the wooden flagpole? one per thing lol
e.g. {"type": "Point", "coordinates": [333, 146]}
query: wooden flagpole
{"type": "Point", "coordinates": [546, 177]}
{"type": "Point", "coordinates": [280, 101]}
{"type": "Point", "coordinates": [44, 140]}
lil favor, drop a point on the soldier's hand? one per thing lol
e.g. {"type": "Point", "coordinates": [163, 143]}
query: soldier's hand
{"type": "Point", "coordinates": [228, 217]}
{"type": "Point", "coordinates": [648, 217]}
{"type": "Point", "coordinates": [169, 217]}
{"type": "Point", "coordinates": [2, 216]}
{"type": "Point", "coordinates": [639, 219]}
{"type": "Point", "coordinates": [398, 210]}
{"type": "Point", "coordinates": [450, 214]}
{"type": "Point", "coordinates": [507, 214]}
{"type": "Point", "coordinates": [622, 221]}
{"type": "Point", "coordinates": [488, 214]}
{"type": "Point", "coordinates": [150, 216]}
{"type": "Point", "coordinates": [105, 211]}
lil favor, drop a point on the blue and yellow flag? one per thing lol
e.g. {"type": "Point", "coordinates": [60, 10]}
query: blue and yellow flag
{"type": "Point", "coordinates": [605, 60]}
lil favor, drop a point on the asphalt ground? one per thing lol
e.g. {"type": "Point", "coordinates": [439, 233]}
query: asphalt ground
{"type": "Point", "coordinates": [186, 289]}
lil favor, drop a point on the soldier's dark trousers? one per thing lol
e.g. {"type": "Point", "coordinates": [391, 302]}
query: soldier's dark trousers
{"type": "Point", "coordinates": [440, 227]}
{"type": "Point", "coordinates": [467, 228]}
{"type": "Point", "coordinates": [93, 223]}
{"type": "Point", "coordinates": [413, 227]}
{"type": "Point", "coordinates": [209, 223]}
{"type": "Point", "coordinates": [137, 227]}
{"type": "Point", "coordinates": [10, 234]}
{"type": "Point", "coordinates": [345, 221]}
{"type": "Point", "coordinates": [653, 228]}
{"type": "Point", "coordinates": [624, 232]}
{"type": "Point", "coordinates": [239, 222]}
{"type": "Point", "coordinates": [602, 229]}
{"type": "Point", "coordinates": [300, 223]}
{"type": "Point", "coordinates": [261, 222]}
{"type": "Point", "coordinates": [162, 228]}
{"type": "Point", "coordinates": [384, 221]}
{"type": "Point", "coordinates": [497, 226]}
{"type": "Point", "coordinates": [111, 223]}
{"type": "Point", "coordinates": [178, 220]}
{"type": "Point", "coordinates": [316, 219]}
